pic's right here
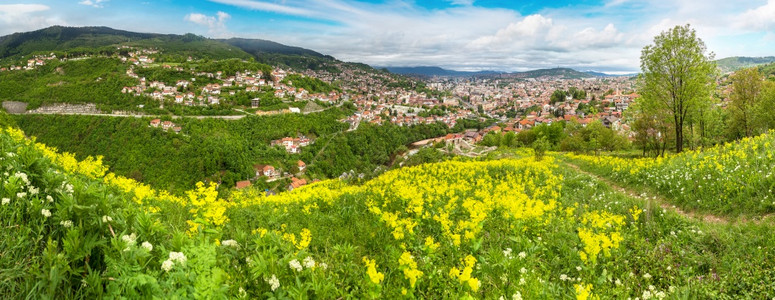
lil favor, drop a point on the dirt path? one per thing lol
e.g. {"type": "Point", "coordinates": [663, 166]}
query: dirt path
{"type": "Point", "coordinates": [656, 200]}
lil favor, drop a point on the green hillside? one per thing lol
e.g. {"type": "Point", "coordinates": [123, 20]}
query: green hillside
{"type": "Point", "coordinates": [95, 80]}
{"type": "Point", "coordinates": [61, 39]}
{"type": "Point", "coordinates": [731, 64]}
{"type": "Point", "coordinates": [513, 228]}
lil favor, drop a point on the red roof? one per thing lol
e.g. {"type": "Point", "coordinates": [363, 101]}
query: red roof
{"type": "Point", "coordinates": [300, 163]}
{"type": "Point", "coordinates": [295, 182]}
{"type": "Point", "coordinates": [243, 184]}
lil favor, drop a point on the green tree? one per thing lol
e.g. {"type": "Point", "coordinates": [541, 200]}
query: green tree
{"type": "Point", "coordinates": [764, 115]}
{"type": "Point", "coordinates": [677, 75]}
{"type": "Point", "coordinates": [746, 85]}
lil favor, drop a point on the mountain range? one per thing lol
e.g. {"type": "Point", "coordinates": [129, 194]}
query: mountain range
{"type": "Point", "coordinates": [61, 38]}
{"type": "Point", "coordinates": [565, 73]}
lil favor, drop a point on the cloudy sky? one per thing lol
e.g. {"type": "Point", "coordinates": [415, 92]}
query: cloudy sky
{"type": "Point", "coordinates": [600, 35]}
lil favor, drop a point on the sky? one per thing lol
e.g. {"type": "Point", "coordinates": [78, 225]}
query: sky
{"type": "Point", "coordinates": [466, 35]}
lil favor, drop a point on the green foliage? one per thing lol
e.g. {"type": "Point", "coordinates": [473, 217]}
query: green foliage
{"type": "Point", "coordinates": [176, 161]}
{"type": "Point", "coordinates": [423, 156]}
{"type": "Point", "coordinates": [573, 92]}
{"type": "Point", "coordinates": [95, 80]}
{"type": "Point", "coordinates": [540, 146]}
{"type": "Point", "coordinates": [592, 138]}
{"type": "Point", "coordinates": [368, 147]}
{"type": "Point", "coordinates": [677, 77]}
{"type": "Point", "coordinates": [310, 84]}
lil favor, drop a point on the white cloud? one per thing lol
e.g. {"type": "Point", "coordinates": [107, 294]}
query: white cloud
{"type": "Point", "coordinates": [760, 18]}
{"type": "Point", "coordinates": [461, 2]}
{"type": "Point", "coordinates": [216, 25]}
{"type": "Point", "coordinates": [21, 9]}
{"type": "Point", "coordinates": [25, 17]}
{"type": "Point", "coordinates": [93, 3]}
{"type": "Point", "coordinates": [539, 32]}
{"type": "Point", "coordinates": [266, 6]}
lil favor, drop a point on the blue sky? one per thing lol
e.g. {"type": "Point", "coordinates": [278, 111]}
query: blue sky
{"type": "Point", "coordinates": [600, 35]}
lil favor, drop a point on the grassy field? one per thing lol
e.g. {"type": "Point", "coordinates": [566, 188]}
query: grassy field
{"type": "Point", "coordinates": [511, 228]}
{"type": "Point", "coordinates": [735, 179]}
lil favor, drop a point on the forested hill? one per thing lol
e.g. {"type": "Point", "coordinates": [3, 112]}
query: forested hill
{"type": "Point", "coordinates": [103, 39]}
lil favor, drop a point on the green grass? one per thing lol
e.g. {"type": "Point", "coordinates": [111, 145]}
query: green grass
{"type": "Point", "coordinates": [735, 179]}
{"type": "Point", "coordinates": [248, 240]}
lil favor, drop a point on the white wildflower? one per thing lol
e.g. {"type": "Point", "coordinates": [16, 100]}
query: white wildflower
{"type": "Point", "coordinates": [10, 154]}
{"type": "Point", "coordinates": [294, 264]}
{"type": "Point", "coordinates": [323, 266]}
{"type": "Point", "coordinates": [178, 256]}
{"type": "Point", "coordinates": [646, 295]}
{"type": "Point", "coordinates": [6, 201]}
{"type": "Point", "coordinates": [647, 276]}
{"type": "Point", "coordinates": [45, 212]}
{"type": "Point", "coordinates": [242, 292]}
{"type": "Point", "coordinates": [274, 283]}
{"type": "Point", "coordinates": [618, 282]}
{"type": "Point", "coordinates": [507, 253]}
{"type": "Point", "coordinates": [66, 223]}
{"type": "Point", "coordinates": [563, 277]}
{"type": "Point", "coordinates": [661, 295]}
{"type": "Point", "coordinates": [249, 261]}
{"type": "Point", "coordinates": [522, 255]}
{"type": "Point", "coordinates": [167, 265]}
{"type": "Point", "coordinates": [517, 296]}
{"type": "Point", "coordinates": [147, 246]}
{"type": "Point", "coordinates": [578, 268]}
{"type": "Point", "coordinates": [230, 243]}
{"type": "Point", "coordinates": [34, 190]}
{"type": "Point", "coordinates": [309, 263]}
{"type": "Point", "coordinates": [50, 199]}
{"type": "Point", "coordinates": [523, 270]}
{"type": "Point", "coordinates": [522, 281]}
{"type": "Point", "coordinates": [21, 195]}
{"type": "Point", "coordinates": [23, 177]}
{"type": "Point", "coordinates": [106, 219]}
{"type": "Point", "coordinates": [130, 240]}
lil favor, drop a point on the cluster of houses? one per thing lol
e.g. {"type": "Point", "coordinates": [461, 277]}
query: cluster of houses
{"type": "Point", "coordinates": [32, 63]}
{"type": "Point", "coordinates": [165, 125]}
{"type": "Point", "coordinates": [292, 145]}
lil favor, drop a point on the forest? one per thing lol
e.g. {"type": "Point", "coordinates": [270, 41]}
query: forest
{"type": "Point", "coordinates": [225, 150]}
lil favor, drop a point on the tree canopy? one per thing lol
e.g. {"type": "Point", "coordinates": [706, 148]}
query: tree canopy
{"type": "Point", "coordinates": [678, 77]}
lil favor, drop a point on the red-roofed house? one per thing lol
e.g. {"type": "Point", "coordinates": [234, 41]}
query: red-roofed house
{"type": "Point", "coordinates": [243, 184]}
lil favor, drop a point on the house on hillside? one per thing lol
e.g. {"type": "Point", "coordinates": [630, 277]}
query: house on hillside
{"type": "Point", "coordinates": [296, 183]}
{"type": "Point", "coordinates": [155, 123]}
{"type": "Point", "coordinates": [301, 165]}
{"type": "Point", "coordinates": [265, 170]}
{"type": "Point", "coordinates": [243, 184]}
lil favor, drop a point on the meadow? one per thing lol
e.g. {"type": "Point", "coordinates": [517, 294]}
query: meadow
{"type": "Point", "coordinates": [733, 179]}
{"type": "Point", "coordinates": [513, 228]}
